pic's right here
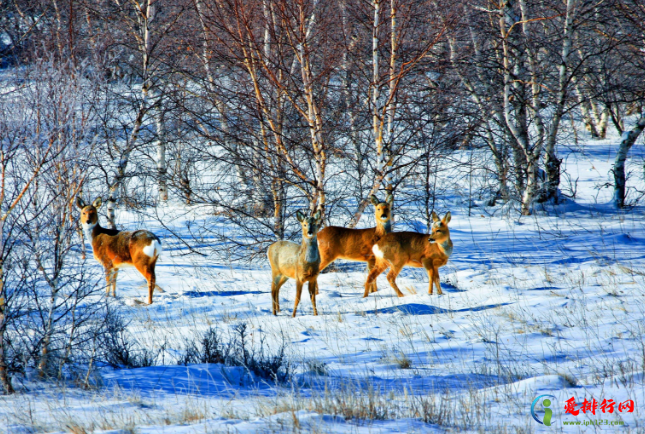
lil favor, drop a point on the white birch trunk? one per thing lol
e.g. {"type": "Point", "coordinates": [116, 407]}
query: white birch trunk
{"type": "Point", "coordinates": [391, 109]}
{"type": "Point", "coordinates": [377, 120]}
{"type": "Point", "coordinates": [552, 163]}
{"type": "Point", "coordinates": [161, 156]}
{"type": "Point", "coordinates": [627, 141]}
{"type": "Point", "coordinates": [122, 164]}
{"type": "Point", "coordinates": [377, 124]}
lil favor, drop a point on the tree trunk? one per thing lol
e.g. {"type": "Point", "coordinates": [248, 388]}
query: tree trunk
{"type": "Point", "coordinates": [531, 187]}
{"type": "Point", "coordinates": [391, 109]}
{"type": "Point", "coordinates": [221, 107]}
{"type": "Point", "coordinates": [123, 164]}
{"type": "Point", "coordinates": [278, 214]}
{"type": "Point", "coordinates": [601, 117]}
{"type": "Point", "coordinates": [616, 118]}
{"type": "Point", "coordinates": [49, 330]}
{"type": "Point", "coordinates": [552, 162]}
{"type": "Point", "coordinates": [377, 119]}
{"type": "Point", "coordinates": [5, 379]}
{"type": "Point", "coordinates": [499, 158]}
{"type": "Point", "coordinates": [161, 155]}
{"type": "Point", "coordinates": [628, 140]}
{"type": "Point", "coordinates": [604, 120]}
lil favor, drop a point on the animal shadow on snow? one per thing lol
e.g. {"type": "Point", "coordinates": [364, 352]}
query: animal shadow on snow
{"type": "Point", "coordinates": [449, 287]}
{"type": "Point", "coordinates": [199, 294]}
{"type": "Point", "coordinates": [424, 309]}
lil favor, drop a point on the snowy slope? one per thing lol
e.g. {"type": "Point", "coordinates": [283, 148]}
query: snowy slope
{"type": "Point", "coordinates": [550, 304]}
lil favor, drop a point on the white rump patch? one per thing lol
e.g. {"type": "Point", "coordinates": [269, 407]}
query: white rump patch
{"type": "Point", "coordinates": [153, 250]}
{"type": "Point", "coordinates": [377, 252]}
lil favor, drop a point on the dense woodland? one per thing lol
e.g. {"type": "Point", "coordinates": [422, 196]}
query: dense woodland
{"type": "Point", "coordinates": [251, 109]}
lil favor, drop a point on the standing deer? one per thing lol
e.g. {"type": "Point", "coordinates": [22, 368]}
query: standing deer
{"type": "Point", "coordinates": [397, 249]}
{"type": "Point", "coordinates": [297, 261]}
{"type": "Point", "coordinates": [116, 249]}
{"type": "Point", "coordinates": [356, 244]}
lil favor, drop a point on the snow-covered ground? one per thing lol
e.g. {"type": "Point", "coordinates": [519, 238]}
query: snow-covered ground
{"type": "Point", "coordinates": [551, 304]}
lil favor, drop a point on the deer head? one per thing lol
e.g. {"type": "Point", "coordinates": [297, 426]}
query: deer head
{"type": "Point", "coordinates": [440, 231]}
{"type": "Point", "coordinates": [382, 210]}
{"type": "Point", "coordinates": [310, 225]}
{"type": "Point", "coordinates": [89, 213]}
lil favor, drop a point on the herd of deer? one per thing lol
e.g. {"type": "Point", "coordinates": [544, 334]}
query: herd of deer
{"type": "Point", "coordinates": [379, 247]}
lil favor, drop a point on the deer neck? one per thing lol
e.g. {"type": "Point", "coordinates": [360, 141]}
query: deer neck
{"type": "Point", "coordinates": [446, 247]}
{"type": "Point", "coordinates": [383, 228]}
{"type": "Point", "coordinates": [310, 249]}
{"type": "Point", "coordinates": [91, 230]}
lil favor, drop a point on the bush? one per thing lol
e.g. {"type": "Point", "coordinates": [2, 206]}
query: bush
{"type": "Point", "coordinates": [209, 349]}
{"type": "Point", "coordinates": [121, 349]}
{"type": "Point", "coordinates": [262, 362]}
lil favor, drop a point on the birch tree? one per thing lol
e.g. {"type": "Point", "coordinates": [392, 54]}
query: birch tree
{"type": "Point", "coordinates": [24, 155]}
{"type": "Point", "coordinates": [387, 80]}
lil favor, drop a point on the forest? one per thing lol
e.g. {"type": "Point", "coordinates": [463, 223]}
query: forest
{"type": "Point", "coordinates": [213, 122]}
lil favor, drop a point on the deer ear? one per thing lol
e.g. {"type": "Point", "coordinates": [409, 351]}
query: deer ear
{"type": "Point", "coordinates": [79, 202]}
{"type": "Point", "coordinates": [300, 216]}
{"type": "Point", "coordinates": [389, 199]}
{"type": "Point", "coordinates": [374, 200]}
{"type": "Point", "coordinates": [97, 203]}
{"type": "Point", "coordinates": [317, 216]}
{"type": "Point", "coordinates": [435, 217]}
{"type": "Point", "coordinates": [447, 217]}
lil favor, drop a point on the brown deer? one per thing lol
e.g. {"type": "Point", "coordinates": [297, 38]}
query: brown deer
{"type": "Point", "coordinates": [116, 249]}
{"type": "Point", "coordinates": [297, 261]}
{"type": "Point", "coordinates": [336, 242]}
{"type": "Point", "coordinates": [398, 249]}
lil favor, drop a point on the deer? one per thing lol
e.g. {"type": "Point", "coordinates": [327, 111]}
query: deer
{"type": "Point", "coordinates": [296, 261]}
{"type": "Point", "coordinates": [398, 249]}
{"type": "Point", "coordinates": [117, 249]}
{"type": "Point", "coordinates": [337, 242]}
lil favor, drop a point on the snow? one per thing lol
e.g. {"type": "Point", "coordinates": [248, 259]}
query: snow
{"type": "Point", "coordinates": [552, 303]}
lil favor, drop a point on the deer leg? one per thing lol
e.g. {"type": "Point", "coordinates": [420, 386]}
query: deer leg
{"type": "Point", "coordinates": [298, 294]}
{"type": "Point", "coordinates": [148, 271]}
{"type": "Point", "coordinates": [277, 297]}
{"type": "Point", "coordinates": [115, 274]}
{"type": "Point", "coordinates": [391, 277]}
{"type": "Point", "coordinates": [281, 281]}
{"type": "Point", "coordinates": [371, 278]}
{"type": "Point", "coordinates": [437, 281]}
{"type": "Point", "coordinates": [433, 276]}
{"type": "Point", "coordinates": [427, 264]}
{"type": "Point", "coordinates": [108, 281]}
{"type": "Point", "coordinates": [273, 295]}
{"type": "Point", "coordinates": [149, 274]}
{"type": "Point", "coordinates": [313, 288]}
{"type": "Point", "coordinates": [275, 292]}
{"type": "Point", "coordinates": [370, 265]}
{"type": "Point", "coordinates": [152, 282]}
